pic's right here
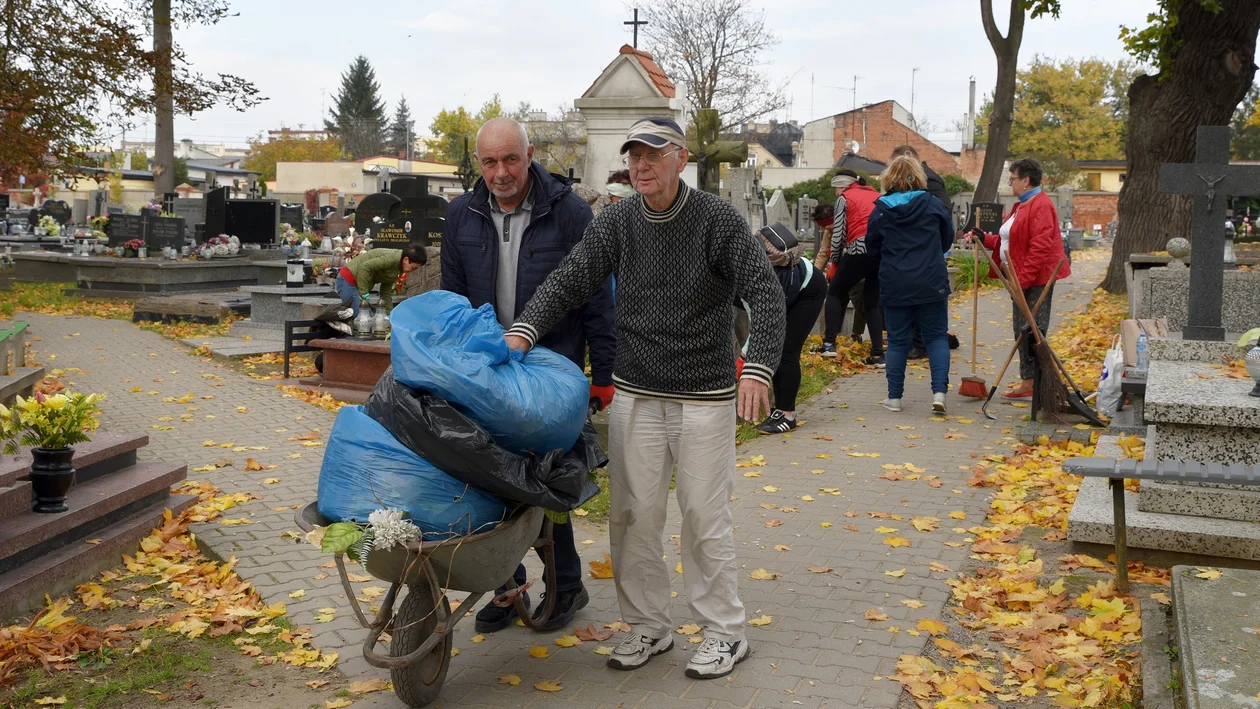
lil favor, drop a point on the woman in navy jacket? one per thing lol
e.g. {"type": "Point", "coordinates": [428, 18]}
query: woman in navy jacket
{"type": "Point", "coordinates": [909, 231]}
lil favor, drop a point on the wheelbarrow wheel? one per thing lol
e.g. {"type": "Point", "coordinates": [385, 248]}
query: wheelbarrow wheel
{"type": "Point", "coordinates": [414, 623]}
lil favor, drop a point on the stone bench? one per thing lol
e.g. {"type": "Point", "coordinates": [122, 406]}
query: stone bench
{"type": "Point", "coordinates": [351, 367]}
{"type": "Point", "coordinates": [15, 377]}
{"type": "Point", "coordinates": [1116, 471]}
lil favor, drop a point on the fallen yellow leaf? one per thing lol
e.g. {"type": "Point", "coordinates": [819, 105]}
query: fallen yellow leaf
{"type": "Point", "coordinates": [762, 620]}
{"type": "Point", "coordinates": [931, 627]}
{"type": "Point", "coordinates": [602, 569]}
{"type": "Point", "coordinates": [896, 574]}
{"type": "Point", "coordinates": [548, 685]}
{"type": "Point", "coordinates": [1208, 574]}
{"type": "Point", "coordinates": [912, 603]}
{"type": "Point", "coordinates": [762, 575]}
{"type": "Point", "coordinates": [337, 703]}
{"type": "Point", "coordinates": [568, 641]}
{"type": "Point", "coordinates": [896, 542]}
{"type": "Point", "coordinates": [510, 679]}
{"type": "Point", "coordinates": [539, 651]}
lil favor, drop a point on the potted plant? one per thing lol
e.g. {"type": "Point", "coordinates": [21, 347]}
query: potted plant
{"type": "Point", "coordinates": [132, 247]}
{"type": "Point", "coordinates": [50, 426]}
{"type": "Point", "coordinates": [1252, 359]}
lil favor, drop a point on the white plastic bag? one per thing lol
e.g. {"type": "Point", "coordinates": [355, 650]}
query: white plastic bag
{"type": "Point", "coordinates": [1109, 394]}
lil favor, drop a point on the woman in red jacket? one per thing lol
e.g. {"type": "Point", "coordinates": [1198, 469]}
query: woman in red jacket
{"type": "Point", "coordinates": [1029, 243]}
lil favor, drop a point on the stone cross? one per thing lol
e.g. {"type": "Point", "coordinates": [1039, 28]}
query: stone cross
{"type": "Point", "coordinates": [1210, 180]}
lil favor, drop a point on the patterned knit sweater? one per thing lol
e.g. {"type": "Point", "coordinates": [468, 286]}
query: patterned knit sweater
{"type": "Point", "coordinates": [678, 271]}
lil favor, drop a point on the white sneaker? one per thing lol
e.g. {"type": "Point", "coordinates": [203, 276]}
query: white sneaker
{"type": "Point", "coordinates": [715, 658]}
{"type": "Point", "coordinates": [635, 651]}
{"type": "Point", "coordinates": [892, 404]}
{"type": "Point", "coordinates": [938, 403]}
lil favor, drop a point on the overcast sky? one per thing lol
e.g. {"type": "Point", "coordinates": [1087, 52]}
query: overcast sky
{"type": "Point", "coordinates": [547, 52]}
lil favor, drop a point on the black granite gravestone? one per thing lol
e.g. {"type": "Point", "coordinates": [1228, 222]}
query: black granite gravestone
{"type": "Point", "coordinates": [4, 205]}
{"type": "Point", "coordinates": [1211, 180]}
{"type": "Point", "coordinates": [253, 221]}
{"type": "Point", "coordinates": [293, 215]}
{"type": "Point", "coordinates": [125, 227]}
{"type": "Point", "coordinates": [165, 231]}
{"type": "Point", "coordinates": [990, 217]}
{"type": "Point", "coordinates": [58, 210]}
{"type": "Point", "coordinates": [404, 187]}
{"type": "Point", "coordinates": [375, 213]}
{"type": "Point", "coordinates": [216, 211]}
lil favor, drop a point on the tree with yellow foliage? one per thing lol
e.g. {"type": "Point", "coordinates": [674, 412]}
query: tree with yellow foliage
{"type": "Point", "coordinates": [265, 153]}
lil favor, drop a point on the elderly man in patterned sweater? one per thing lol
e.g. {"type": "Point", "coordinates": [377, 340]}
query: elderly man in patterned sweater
{"type": "Point", "coordinates": [680, 258]}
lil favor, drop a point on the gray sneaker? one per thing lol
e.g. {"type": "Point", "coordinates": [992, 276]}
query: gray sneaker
{"type": "Point", "coordinates": [635, 651]}
{"type": "Point", "coordinates": [715, 658]}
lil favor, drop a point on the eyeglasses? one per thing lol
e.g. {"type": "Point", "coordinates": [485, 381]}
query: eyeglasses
{"type": "Point", "coordinates": [650, 158]}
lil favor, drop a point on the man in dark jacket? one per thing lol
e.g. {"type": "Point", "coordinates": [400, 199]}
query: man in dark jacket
{"type": "Point", "coordinates": [500, 243]}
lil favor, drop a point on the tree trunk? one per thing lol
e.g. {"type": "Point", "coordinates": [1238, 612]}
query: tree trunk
{"type": "Point", "coordinates": [1006, 49]}
{"type": "Point", "coordinates": [1206, 78]}
{"type": "Point", "coordinates": [164, 118]}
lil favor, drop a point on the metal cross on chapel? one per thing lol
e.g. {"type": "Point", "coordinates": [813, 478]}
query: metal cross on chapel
{"type": "Point", "coordinates": [1208, 177]}
{"type": "Point", "coordinates": [635, 24]}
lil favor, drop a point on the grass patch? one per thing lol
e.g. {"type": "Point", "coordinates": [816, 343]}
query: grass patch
{"type": "Point", "coordinates": [964, 261]}
{"type": "Point", "coordinates": [52, 299]}
{"type": "Point", "coordinates": [117, 678]}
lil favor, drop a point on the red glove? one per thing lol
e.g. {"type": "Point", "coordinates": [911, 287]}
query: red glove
{"type": "Point", "coordinates": [603, 394]}
{"type": "Point", "coordinates": [739, 368]}
{"type": "Point", "coordinates": [831, 271]}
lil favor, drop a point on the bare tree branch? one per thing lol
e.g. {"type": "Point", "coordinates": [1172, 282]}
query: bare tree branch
{"type": "Point", "coordinates": [714, 48]}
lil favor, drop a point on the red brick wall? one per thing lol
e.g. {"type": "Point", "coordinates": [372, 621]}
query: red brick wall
{"type": "Point", "coordinates": [1090, 208]}
{"type": "Point", "coordinates": [882, 133]}
{"type": "Point", "coordinates": [971, 164]}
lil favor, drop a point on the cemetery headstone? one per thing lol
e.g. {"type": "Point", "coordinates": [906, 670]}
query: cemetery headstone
{"type": "Point", "coordinates": [79, 211]}
{"type": "Point", "coordinates": [99, 198]}
{"type": "Point", "coordinates": [336, 225]}
{"type": "Point", "coordinates": [253, 221]}
{"type": "Point", "coordinates": [58, 210]}
{"type": "Point", "coordinates": [990, 217]}
{"type": "Point", "coordinates": [326, 209]}
{"type": "Point", "coordinates": [192, 211]}
{"type": "Point", "coordinates": [125, 227]}
{"type": "Point", "coordinates": [34, 214]}
{"type": "Point", "coordinates": [216, 211]}
{"type": "Point", "coordinates": [4, 205]}
{"type": "Point", "coordinates": [777, 209]}
{"type": "Point", "coordinates": [1211, 180]}
{"type": "Point", "coordinates": [375, 213]}
{"type": "Point", "coordinates": [112, 209]}
{"type": "Point", "coordinates": [293, 215]}
{"type": "Point", "coordinates": [404, 187]}
{"type": "Point", "coordinates": [161, 232]}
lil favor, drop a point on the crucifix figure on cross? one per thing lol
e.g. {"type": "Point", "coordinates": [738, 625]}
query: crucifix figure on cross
{"type": "Point", "coordinates": [1203, 179]}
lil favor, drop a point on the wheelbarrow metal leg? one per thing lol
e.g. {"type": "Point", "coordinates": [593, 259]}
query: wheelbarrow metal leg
{"type": "Point", "coordinates": [547, 546]}
{"type": "Point", "coordinates": [345, 585]}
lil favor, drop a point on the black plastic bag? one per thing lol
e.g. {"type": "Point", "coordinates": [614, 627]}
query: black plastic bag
{"type": "Point", "coordinates": [439, 433]}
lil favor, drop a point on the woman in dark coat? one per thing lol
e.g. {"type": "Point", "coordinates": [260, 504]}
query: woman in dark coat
{"type": "Point", "coordinates": [909, 231]}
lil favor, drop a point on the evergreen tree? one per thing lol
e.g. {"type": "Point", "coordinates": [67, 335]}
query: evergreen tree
{"type": "Point", "coordinates": [358, 113]}
{"type": "Point", "coordinates": [401, 130]}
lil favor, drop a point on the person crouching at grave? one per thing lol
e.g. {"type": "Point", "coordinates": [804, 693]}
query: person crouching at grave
{"type": "Point", "coordinates": [681, 257]}
{"type": "Point", "coordinates": [1029, 245]}
{"type": "Point", "coordinates": [824, 217]}
{"type": "Point", "coordinates": [909, 232]}
{"type": "Point", "coordinates": [500, 242]}
{"type": "Point", "coordinates": [804, 290]}
{"type": "Point", "coordinates": [377, 267]}
{"type": "Point", "coordinates": [854, 202]}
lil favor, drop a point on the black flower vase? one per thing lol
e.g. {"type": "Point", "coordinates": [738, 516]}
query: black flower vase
{"type": "Point", "coordinates": [52, 473]}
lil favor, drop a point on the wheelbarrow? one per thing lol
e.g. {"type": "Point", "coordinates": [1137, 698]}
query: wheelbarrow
{"type": "Point", "coordinates": [420, 631]}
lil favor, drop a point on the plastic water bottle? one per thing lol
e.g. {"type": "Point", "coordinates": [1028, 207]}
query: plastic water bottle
{"type": "Point", "coordinates": [1143, 357]}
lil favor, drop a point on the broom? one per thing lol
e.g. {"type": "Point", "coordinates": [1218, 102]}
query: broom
{"type": "Point", "coordinates": [1002, 373]}
{"type": "Point", "coordinates": [1052, 392]}
{"type": "Point", "coordinates": [973, 386]}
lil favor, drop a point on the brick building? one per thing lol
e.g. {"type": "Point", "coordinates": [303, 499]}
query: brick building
{"type": "Point", "coordinates": [872, 132]}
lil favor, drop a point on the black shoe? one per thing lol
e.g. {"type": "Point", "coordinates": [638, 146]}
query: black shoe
{"type": "Point", "coordinates": [491, 618]}
{"type": "Point", "coordinates": [857, 339]}
{"type": "Point", "coordinates": [776, 422]}
{"type": "Point", "coordinates": [916, 353]}
{"type": "Point", "coordinates": [568, 603]}
{"type": "Point", "coordinates": [828, 349]}
{"type": "Point", "coordinates": [874, 361]}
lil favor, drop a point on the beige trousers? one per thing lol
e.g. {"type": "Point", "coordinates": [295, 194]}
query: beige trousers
{"type": "Point", "coordinates": [648, 439]}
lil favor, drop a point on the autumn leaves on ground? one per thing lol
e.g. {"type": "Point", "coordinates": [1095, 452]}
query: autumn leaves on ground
{"type": "Point", "coordinates": [1029, 623]}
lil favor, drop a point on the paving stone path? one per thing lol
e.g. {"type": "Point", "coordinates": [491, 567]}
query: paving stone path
{"type": "Point", "coordinates": [817, 651]}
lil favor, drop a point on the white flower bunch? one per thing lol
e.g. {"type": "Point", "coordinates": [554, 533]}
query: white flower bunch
{"type": "Point", "coordinates": [389, 528]}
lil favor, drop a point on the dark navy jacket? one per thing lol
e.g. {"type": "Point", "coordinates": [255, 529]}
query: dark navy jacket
{"type": "Point", "coordinates": [470, 265]}
{"type": "Point", "coordinates": [909, 232]}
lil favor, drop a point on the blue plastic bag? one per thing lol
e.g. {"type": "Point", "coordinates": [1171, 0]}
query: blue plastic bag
{"type": "Point", "coordinates": [533, 403]}
{"type": "Point", "coordinates": [365, 470]}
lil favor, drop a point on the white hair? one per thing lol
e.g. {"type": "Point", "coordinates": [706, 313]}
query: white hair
{"type": "Point", "coordinates": [502, 121]}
